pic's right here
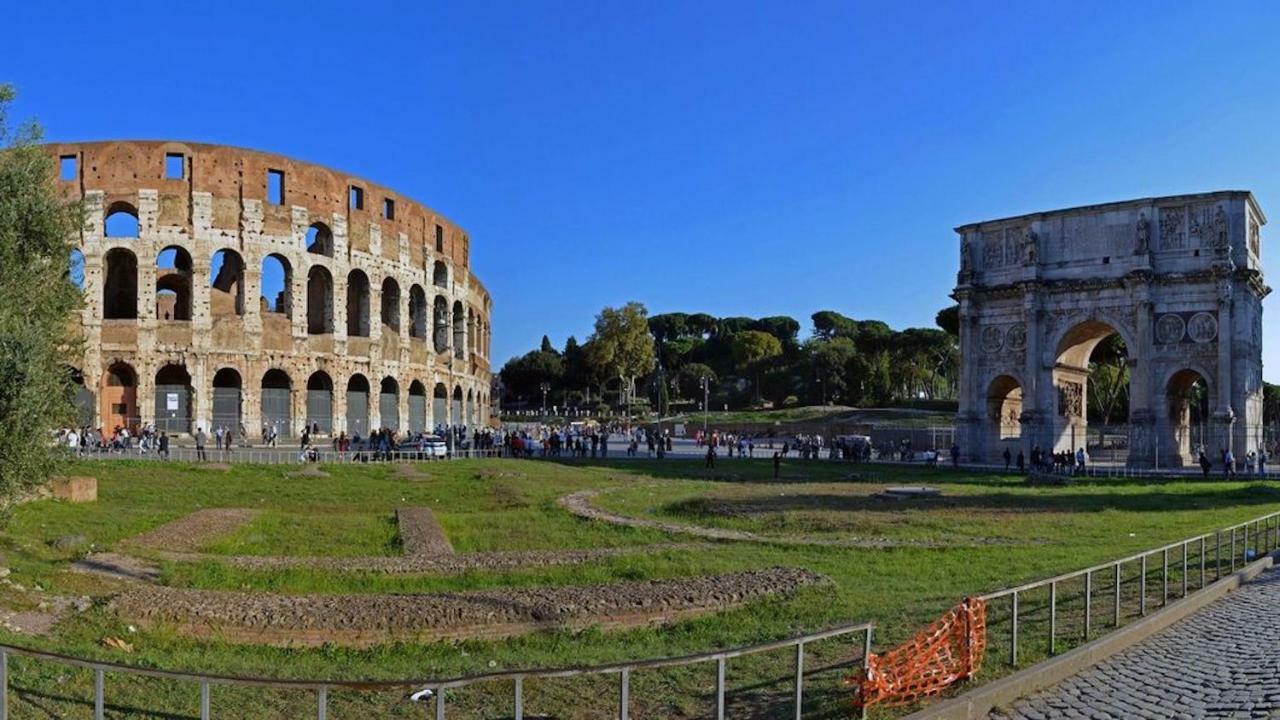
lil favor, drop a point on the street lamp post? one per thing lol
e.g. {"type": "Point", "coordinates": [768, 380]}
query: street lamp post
{"type": "Point", "coordinates": [546, 388]}
{"type": "Point", "coordinates": [706, 403]}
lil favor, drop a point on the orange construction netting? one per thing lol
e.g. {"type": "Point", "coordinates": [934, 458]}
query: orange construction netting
{"type": "Point", "coordinates": [948, 650]}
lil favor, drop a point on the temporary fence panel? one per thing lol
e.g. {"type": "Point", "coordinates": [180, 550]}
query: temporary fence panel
{"type": "Point", "coordinates": [173, 408]}
{"type": "Point", "coordinates": [85, 405]}
{"type": "Point", "coordinates": [357, 413]}
{"type": "Point", "coordinates": [417, 413]}
{"type": "Point", "coordinates": [455, 412]}
{"type": "Point", "coordinates": [226, 408]}
{"type": "Point", "coordinates": [439, 412]}
{"type": "Point", "coordinates": [320, 409]}
{"type": "Point", "coordinates": [277, 410]}
{"type": "Point", "coordinates": [389, 410]}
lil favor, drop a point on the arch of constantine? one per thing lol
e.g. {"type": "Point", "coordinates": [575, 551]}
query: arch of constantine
{"type": "Point", "coordinates": [230, 287]}
{"type": "Point", "coordinates": [1179, 279]}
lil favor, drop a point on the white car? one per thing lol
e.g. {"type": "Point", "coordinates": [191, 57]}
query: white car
{"type": "Point", "coordinates": [433, 446]}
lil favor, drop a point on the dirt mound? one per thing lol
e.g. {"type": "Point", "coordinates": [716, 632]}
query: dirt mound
{"type": "Point", "coordinates": [420, 534]}
{"type": "Point", "coordinates": [363, 620]}
{"type": "Point", "coordinates": [191, 532]}
{"type": "Point", "coordinates": [407, 471]}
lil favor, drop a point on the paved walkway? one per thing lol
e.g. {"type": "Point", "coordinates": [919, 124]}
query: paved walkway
{"type": "Point", "coordinates": [1222, 662]}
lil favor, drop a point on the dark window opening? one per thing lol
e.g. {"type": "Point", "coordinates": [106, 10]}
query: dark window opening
{"type": "Point", "coordinates": [1106, 261]}
{"type": "Point", "coordinates": [389, 209]}
{"type": "Point", "coordinates": [357, 198]}
{"type": "Point", "coordinates": [68, 167]}
{"type": "Point", "coordinates": [275, 187]}
{"type": "Point", "coordinates": [175, 166]}
{"type": "Point", "coordinates": [439, 239]}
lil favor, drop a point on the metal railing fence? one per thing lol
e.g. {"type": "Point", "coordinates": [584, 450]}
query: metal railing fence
{"type": "Point", "coordinates": [438, 688]}
{"type": "Point", "coordinates": [286, 455]}
{"type": "Point", "coordinates": [1198, 562]}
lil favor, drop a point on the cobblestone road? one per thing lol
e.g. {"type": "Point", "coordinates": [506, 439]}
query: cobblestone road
{"type": "Point", "coordinates": [1222, 662]}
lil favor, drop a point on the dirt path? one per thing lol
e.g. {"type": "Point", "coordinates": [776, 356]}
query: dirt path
{"type": "Point", "coordinates": [363, 620]}
{"type": "Point", "coordinates": [193, 531]}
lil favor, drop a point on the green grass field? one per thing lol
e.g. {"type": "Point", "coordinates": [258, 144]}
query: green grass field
{"type": "Point", "coordinates": [987, 532]}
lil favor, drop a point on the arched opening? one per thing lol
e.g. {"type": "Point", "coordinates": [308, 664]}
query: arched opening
{"type": "Point", "coordinates": [440, 405]}
{"type": "Point", "coordinates": [226, 400]}
{"type": "Point", "coordinates": [459, 330]}
{"type": "Point", "coordinates": [174, 397]}
{"type": "Point", "coordinates": [226, 284]}
{"type": "Point", "coordinates": [389, 403]}
{"type": "Point", "coordinates": [81, 396]}
{"type": "Point", "coordinates": [121, 221]}
{"type": "Point", "coordinates": [319, 301]}
{"type": "Point", "coordinates": [357, 304]}
{"type": "Point", "coordinates": [1188, 396]}
{"type": "Point", "coordinates": [75, 269]}
{"type": "Point", "coordinates": [277, 403]}
{"type": "Point", "coordinates": [358, 405]}
{"type": "Point", "coordinates": [417, 407]}
{"type": "Point", "coordinates": [417, 312]}
{"type": "Point", "coordinates": [1091, 387]}
{"type": "Point", "coordinates": [391, 305]}
{"type": "Point", "coordinates": [455, 411]}
{"type": "Point", "coordinates": [173, 284]}
{"type": "Point", "coordinates": [119, 404]}
{"type": "Point", "coordinates": [320, 240]}
{"type": "Point", "coordinates": [1004, 410]}
{"type": "Point", "coordinates": [120, 289]}
{"type": "Point", "coordinates": [319, 402]}
{"type": "Point", "coordinates": [441, 312]}
{"type": "Point", "coordinates": [277, 279]}
{"type": "Point", "coordinates": [471, 409]}
{"type": "Point", "coordinates": [439, 274]}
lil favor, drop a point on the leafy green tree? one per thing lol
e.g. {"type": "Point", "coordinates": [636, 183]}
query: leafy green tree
{"type": "Point", "coordinates": [827, 361]}
{"type": "Point", "coordinates": [700, 324]}
{"type": "Point", "coordinates": [751, 348]}
{"type": "Point", "coordinates": [1109, 381]}
{"type": "Point", "coordinates": [38, 230]}
{"type": "Point", "coordinates": [948, 319]}
{"type": "Point", "coordinates": [828, 324]}
{"type": "Point", "coordinates": [622, 347]}
{"type": "Point", "coordinates": [547, 347]}
{"type": "Point", "coordinates": [523, 376]}
{"type": "Point", "coordinates": [782, 327]}
{"type": "Point", "coordinates": [689, 380]}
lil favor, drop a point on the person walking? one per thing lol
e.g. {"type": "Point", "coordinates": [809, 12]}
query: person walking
{"type": "Point", "coordinates": [777, 464]}
{"type": "Point", "coordinates": [163, 450]}
{"type": "Point", "coordinates": [1262, 461]}
{"type": "Point", "coordinates": [1008, 458]}
{"type": "Point", "coordinates": [1204, 464]}
{"type": "Point", "coordinates": [711, 456]}
{"type": "Point", "coordinates": [1022, 461]}
{"type": "Point", "coordinates": [1080, 458]}
{"type": "Point", "coordinates": [201, 438]}
{"type": "Point", "coordinates": [955, 455]}
{"type": "Point", "coordinates": [1228, 464]}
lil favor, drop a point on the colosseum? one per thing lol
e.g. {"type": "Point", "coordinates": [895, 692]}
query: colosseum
{"type": "Point", "coordinates": [230, 287]}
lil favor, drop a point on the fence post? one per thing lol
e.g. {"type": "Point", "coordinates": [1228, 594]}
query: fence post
{"type": "Point", "coordinates": [1201, 562]}
{"type": "Point", "coordinates": [4, 684]}
{"type": "Point", "coordinates": [1233, 549]}
{"type": "Point", "coordinates": [624, 695]}
{"type": "Point", "coordinates": [720, 688]}
{"type": "Point", "coordinates": [204, 700]}
{"type": "Point", "coordinates": [519, 710]}
{"type": "Point", "coordinates": [440, 703]}
{"type": "Point", "coordinates": [1217, 557]}
{"type": "Point", "coordinates": [1142, 587]}
{"type": "Point", "coordinates": [799, 679]}
{"type": "Point", "coordinates": [1164, 578]}
{"type": "Point", "coordinates": [1013, 631]}
{"type": "Point", "coordinates": [98, 709]}
{"type": "Point", "coordinates": [1088, 602]}
{"type": "Point", "coordinates": [1117, 621]}
{"type": "Point", "coordinates": [1053, 617]}
{"type": "Point", "coordinates": [1184, 568]}
{"type": "Point", "coordinates": [866, 662]}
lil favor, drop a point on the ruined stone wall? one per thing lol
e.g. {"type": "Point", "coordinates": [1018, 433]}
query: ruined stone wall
{"type": "Point", "coordinates": [208, 198]}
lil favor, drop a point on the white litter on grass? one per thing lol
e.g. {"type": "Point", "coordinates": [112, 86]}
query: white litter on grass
{"type": "Point", "coordinates": [422, 695]}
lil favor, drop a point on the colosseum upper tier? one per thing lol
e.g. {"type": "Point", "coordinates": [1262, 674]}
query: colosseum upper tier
{"type": "Point", "coordinates": [232, 288]}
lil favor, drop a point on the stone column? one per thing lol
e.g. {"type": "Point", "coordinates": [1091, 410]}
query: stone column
{"type": "Point", "coordinates": [969, 423]}
{"type": "Point", "coordinates": [1142, 419]}
{"type": "Point", "coordinates": [202, 403]}
{"type": "Point", "coordinates": [1033, 377]}
{"type": "Point", "coordinates": [1223, 415]}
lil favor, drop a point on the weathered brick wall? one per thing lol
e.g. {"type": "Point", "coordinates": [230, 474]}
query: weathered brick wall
{"type": "Point", "coordinates": [221, 202]}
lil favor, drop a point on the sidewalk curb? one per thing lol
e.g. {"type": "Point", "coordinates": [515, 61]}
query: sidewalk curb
{"type": "Point", "coordinates": [980, 701]}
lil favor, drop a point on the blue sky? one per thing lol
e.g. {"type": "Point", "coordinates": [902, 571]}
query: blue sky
{"type": "Point", "coordinates": [730, 158]}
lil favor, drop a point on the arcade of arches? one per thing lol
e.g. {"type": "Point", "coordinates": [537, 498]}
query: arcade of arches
{"type": "Point", "coordinates": [1042, 298]}
{"type": "Point", "coordinates": [210, 302]}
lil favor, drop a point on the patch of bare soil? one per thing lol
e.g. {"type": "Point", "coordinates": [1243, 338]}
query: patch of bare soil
{"type": "Point", "coordinates": [363, 620]}
{"type": "Point", "coordinates": [191, 532]}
